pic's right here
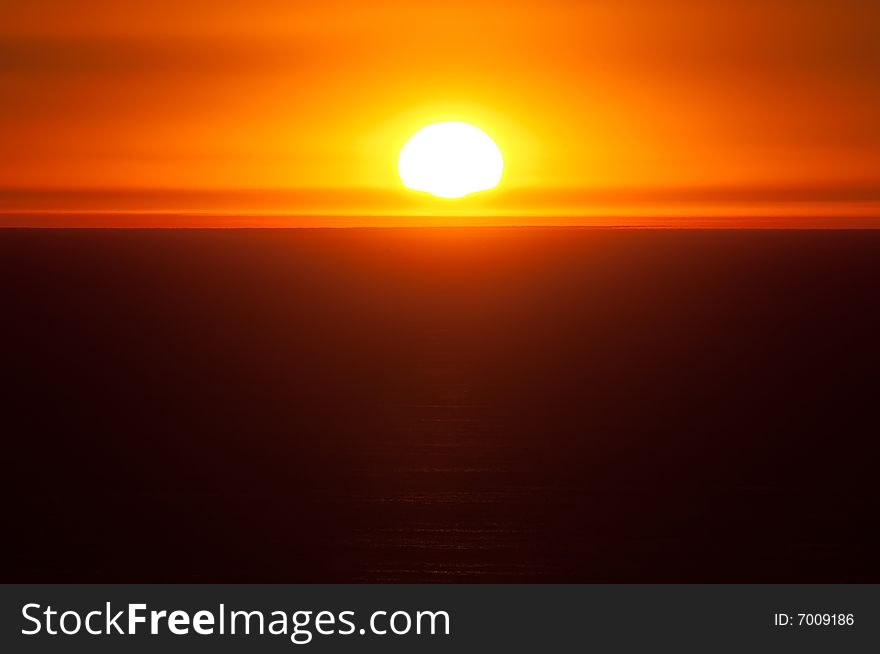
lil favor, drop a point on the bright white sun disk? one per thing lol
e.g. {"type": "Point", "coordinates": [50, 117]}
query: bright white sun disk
{"type": "Point", "coordinates": [450, 160]}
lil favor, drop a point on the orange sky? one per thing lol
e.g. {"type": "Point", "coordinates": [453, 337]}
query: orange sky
{"type": "Point", "coordinates": [647, 107]}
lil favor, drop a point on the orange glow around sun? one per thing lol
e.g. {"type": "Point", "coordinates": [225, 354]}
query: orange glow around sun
{"type": "Point", "coordinates": [604, 111]}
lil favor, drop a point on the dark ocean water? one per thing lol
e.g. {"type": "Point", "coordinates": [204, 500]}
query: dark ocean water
{"type": "Point", "coordinates": [440, 405]}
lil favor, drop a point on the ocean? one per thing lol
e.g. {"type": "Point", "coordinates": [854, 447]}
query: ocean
{"type": "Point", "coordinates": [440, 405]}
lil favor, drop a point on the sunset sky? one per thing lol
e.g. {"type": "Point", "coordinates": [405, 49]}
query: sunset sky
{"type": "Point", "coordinates": [646, 107]}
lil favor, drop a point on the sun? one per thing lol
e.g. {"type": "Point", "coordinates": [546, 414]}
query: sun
{"type": "Point", "coordinates": [450, 160]}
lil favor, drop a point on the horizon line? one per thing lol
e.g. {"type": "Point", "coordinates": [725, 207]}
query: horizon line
{"type": "Point", "coordinates": [173, 219]}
